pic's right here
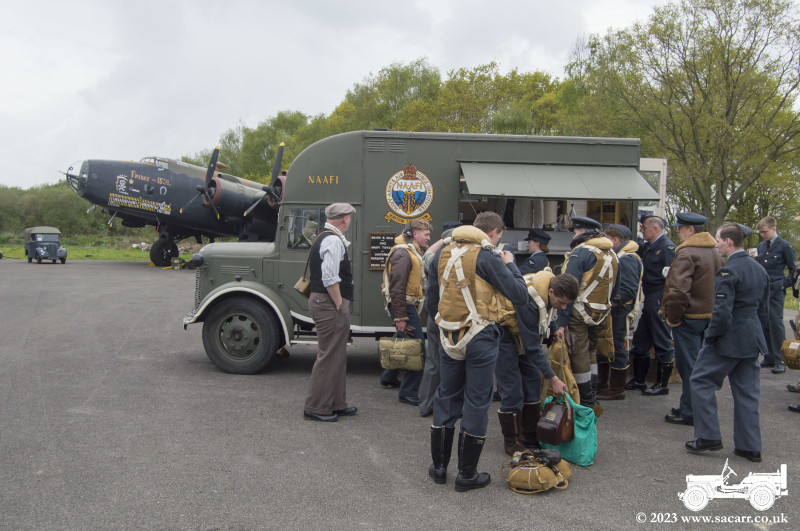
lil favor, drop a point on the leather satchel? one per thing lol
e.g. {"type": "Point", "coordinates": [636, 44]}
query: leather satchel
{"type": "Point", "coordinates": [555, 423]}
{"type": "Point", "coordinates": [303, 286]}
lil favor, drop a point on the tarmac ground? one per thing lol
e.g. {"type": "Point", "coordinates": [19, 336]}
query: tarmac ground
{"type": "Point", "coordinates": [112, 417]}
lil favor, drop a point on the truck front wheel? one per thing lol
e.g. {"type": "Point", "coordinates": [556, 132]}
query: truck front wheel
{"type": "Point", "coordinates": [241, 335]}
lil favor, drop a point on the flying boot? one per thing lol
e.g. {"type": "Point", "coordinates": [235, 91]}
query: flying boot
{"type": "Point", "coordinates": [616, 388]}
{"type": "Point", "coordinates": [602, 377]}
{"type": "Point", "coordinates": [527, 428]}
{"type": "Point", "coordinates": [469, 452]}
{"type": "Point", "coordinates": [661, 387]}
{"type": "Point", "coordinates": [587, 394]}
{"type": "Point", "coordinates": [640, 368]}
{"type": "Point", "coordinates": [509, 425]}
{"type": "Point", "coordinates": [441, 447]}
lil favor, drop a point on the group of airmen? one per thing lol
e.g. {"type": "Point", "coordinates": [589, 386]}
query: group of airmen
{"type": "Point", "coordinates": [617, 299]}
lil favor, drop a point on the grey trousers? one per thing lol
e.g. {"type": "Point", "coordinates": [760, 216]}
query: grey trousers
{"type": "Point", "coordinates": [745, 380]}
{"type": "Point", "coordinates": [327, 387]}
{"type": "Point", "coordinates": [430, 373]}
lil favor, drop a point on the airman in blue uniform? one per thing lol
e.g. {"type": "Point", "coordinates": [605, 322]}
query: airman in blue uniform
{"type": "Point", "coordinates": [537, 245]}
{"type": "Point", "coordinates": [776, 255]}
{"type": "Point", "coordinates": [733, 340]}
{"type": "Point", "coordinates": [657, 254]}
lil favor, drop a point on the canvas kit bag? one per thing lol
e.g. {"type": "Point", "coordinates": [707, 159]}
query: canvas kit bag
{"type": "Point", "coordinates": [791, 353]}
{"type": "Point", "coordinates": [401, 353]}
{"type": "Point", "coordinates": [535, 471]}
{"type": "Point", "coordinates": [559, 360]}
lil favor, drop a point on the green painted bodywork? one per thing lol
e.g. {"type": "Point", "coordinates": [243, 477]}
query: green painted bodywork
{"type": "Point", "coordinates": [355, 168]}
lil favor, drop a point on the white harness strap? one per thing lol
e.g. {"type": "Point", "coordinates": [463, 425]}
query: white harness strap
{"type": "Point", "coordinates": [544, 316]}
{"type": "Point", "coordinates": [582, 301]}
{"type": "Point", "coordinates": [474, 321]}
{"type": "Point", "coordinates": [632, 320]}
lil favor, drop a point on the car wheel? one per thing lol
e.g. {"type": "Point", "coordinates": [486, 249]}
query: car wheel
{"type": "Point", "coordinates": [761, 498]}
{"type": "Point", "coordinates": [162, 252]}
{"type": "Point", "coordinates": [695, 498]}
{"type": "Point", "coordinates": [38, 260]}
{"type": "Point", "coordinates": [241, 335]}
{"type": "Point", "coordinates": [63, 260]}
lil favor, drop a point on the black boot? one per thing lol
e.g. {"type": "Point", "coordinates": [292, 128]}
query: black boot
{"type": "Point", "coordinates": [469, 452]}
{"type": "Point", "coordinates": [661, 387]}
{"type": "Point", "coordinates": [509, 425]}
{"type": "Point", "coordinates": [528, 421]}
{"type": "Point", "coordinates": [640, 367]}
{"type": "Point", "coordinates": [603, 370]}
{"type": "Point", "coordinates": [441, 447]}
{"type": "Point", "coordinates": [587, 394]}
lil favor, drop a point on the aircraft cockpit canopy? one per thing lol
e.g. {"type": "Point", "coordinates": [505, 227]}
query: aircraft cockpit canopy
{"type": "Point", "coordinates": [157, 161]}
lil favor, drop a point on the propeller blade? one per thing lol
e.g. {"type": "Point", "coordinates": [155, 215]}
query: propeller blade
{"type": "Point", "coordinates": [189, 203]}
{"type": "Point", "coordinates": [253, 206]}
{"type": "Point", "coordinates": [208, 198]}
{"type": "Point", "coordinates": [276, 167]}
{"type": "Point", "coordinates": [212, 166]}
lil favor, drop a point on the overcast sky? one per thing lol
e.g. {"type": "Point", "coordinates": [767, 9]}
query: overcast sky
{"type": "Point", "coordinates": [124, 79]}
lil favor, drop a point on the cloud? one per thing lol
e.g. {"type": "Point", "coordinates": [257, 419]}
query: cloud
{"type": "Point", "coordinates": [123, 80]}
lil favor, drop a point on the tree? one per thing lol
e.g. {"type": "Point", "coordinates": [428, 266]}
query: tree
{"type": "Point", "coordinates": [712, 85]}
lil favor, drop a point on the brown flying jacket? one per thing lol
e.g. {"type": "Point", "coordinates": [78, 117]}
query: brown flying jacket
{"type": "Point", "coordinates": [689, 287]}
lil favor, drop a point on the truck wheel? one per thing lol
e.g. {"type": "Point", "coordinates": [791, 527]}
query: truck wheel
{"type": "Point", "coordinates": [162, 252]}
{"type": "Point", "coordinates": [54, 260]}
{"type": "Point", "coordinates": [38, 260]}
{"type": "Point", "coordinates": [695, 498]}
{"type": "Point", "coordinates": [240, 335]}
{"type": "Point", "coordinates": [63, 260]}
{"type": "Point", "coordinates": [30, 259]}
{"type": "Point", "coordinates": [761, 498]}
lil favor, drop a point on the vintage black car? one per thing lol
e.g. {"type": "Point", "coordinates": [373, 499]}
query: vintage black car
{"type": "Point", "coordinates": [44, 243]}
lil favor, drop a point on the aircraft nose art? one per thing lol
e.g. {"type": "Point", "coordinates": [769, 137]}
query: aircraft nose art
{"type": "Point", "coordinates": [78, 176]}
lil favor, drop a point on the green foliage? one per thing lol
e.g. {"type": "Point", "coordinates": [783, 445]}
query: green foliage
{"type": "Point", "coordinates": [711, 85]}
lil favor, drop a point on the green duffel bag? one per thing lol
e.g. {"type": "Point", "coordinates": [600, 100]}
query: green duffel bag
{"type": "Point", "coordinates": [581, 449]}
{"type": "Point", "coordinates": [401, 353]}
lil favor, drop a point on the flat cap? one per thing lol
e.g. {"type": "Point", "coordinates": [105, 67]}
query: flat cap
{"type": "Point", "coordinates": [538, 235]}
{"type": "Point", "coordinates": [747, 230]}
{"type": "Point", "coordinates": [626, 231]}
{"type": "Point", "coordinates": [338, 210]}
{"type": "Point", "coordinates": [585, 223]}
{"type": "Point", "coordinates": [689, 218]}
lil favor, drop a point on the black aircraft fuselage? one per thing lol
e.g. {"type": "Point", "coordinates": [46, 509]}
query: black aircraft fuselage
{"type": "Point", "coordinates": [162, 192]}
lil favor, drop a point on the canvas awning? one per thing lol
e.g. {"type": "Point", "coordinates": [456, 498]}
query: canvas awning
{"type": "Point", "coordinates": [546, 181]}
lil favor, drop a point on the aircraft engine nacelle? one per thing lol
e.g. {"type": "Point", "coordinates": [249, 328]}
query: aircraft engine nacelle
{"type": "Point", "coordinates": [232, 198]}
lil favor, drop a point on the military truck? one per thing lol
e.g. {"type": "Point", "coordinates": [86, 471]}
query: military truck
{"type": "Point", "coordinates": [244, 291]}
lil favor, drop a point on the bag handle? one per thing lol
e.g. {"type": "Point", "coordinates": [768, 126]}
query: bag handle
{"type": "Point", "coordinates": [312, 246]}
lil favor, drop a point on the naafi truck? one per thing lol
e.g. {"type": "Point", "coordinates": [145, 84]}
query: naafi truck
{"type": "Point", "coordinates": [245, 294]}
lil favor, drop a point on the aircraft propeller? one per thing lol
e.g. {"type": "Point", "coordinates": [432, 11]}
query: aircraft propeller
{"type": "Point", "coordinates": [271, 190]}
{"type": "Point", "coordinates": [203, 189]}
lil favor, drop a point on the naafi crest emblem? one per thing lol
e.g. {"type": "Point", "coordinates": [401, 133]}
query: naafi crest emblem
{"type": "Point", "coordinates": [409, 193]}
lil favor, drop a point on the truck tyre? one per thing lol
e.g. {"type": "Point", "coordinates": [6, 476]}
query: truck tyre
{"type": "Point", "coordinates": [30, 259]}
{"type": "Point", "coordinates": [63, 260]}
{"type": "Point", "coordinates": [162, 252]}
{"type": "Point", "coordinates": [54, 260]}
{"type": "Point", "coordinates": [761, 497]}
{"type": "Point", "coordinates": [38, 259]}
{"type": "Point", "coordinates": [695, 498]}
{"type": "Point", "coordinates": [241, 335]}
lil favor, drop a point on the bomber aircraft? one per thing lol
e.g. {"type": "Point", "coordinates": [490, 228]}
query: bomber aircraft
{"type": "Point", "coordinates": [162, 192]}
